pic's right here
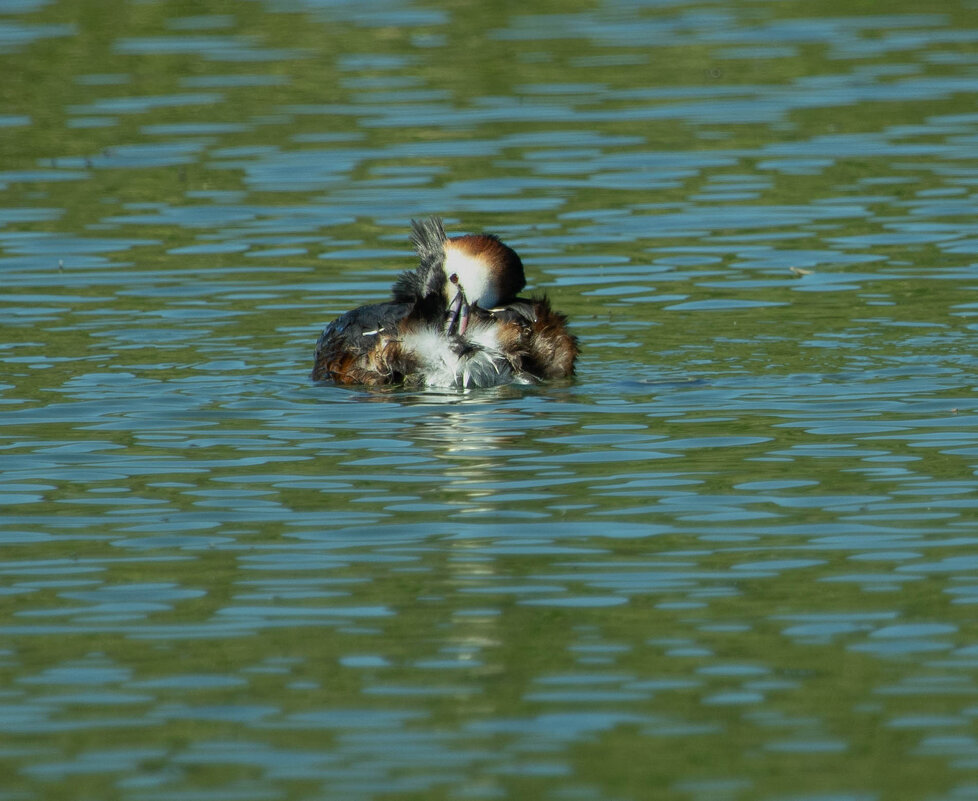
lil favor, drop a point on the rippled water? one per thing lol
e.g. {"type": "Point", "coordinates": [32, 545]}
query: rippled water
{"type": "Point", "coordinates": [735, 558]}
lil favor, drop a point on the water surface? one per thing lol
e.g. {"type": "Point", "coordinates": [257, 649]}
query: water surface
{"type": "Point", "coordinates": [733, 559]}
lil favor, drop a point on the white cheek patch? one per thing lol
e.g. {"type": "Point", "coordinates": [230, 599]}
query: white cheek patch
{"type": "Point", "coordinates": [473, 277]}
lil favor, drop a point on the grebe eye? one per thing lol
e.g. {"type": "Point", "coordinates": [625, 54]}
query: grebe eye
{"type": "Point", "coordinates": [453, 278]}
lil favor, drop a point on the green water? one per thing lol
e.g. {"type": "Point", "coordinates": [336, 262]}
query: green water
{"type": "Point", "coordinates": [734, 558]}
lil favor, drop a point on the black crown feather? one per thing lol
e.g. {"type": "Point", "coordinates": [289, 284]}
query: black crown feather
{"type": "Point", "coordinates": [428, 237]}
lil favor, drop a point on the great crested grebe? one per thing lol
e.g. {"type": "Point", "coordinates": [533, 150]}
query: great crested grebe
{"type": "Point", "coordinates": [455, 321]}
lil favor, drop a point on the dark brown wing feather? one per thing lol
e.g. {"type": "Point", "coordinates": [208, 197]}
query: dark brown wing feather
{"type": "Point", "coordinates": [551, 348]}
{"type": "Point", "coordinates": [536, 336]}
{"type": "Point", "coordinates": [362, 347]}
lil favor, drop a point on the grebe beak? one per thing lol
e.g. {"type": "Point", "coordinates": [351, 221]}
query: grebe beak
{"type": "Point", "coordinates": [458, 310]}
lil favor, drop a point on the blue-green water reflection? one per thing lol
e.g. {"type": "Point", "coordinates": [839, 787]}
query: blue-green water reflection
{"type": "Point", "coordinates": [733, 559]}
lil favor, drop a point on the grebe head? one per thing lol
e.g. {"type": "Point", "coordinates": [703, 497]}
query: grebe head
{"type": "Point", "coordinates": [482, 269]}
{"type": "Point", "coordinates": [470, 270]}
